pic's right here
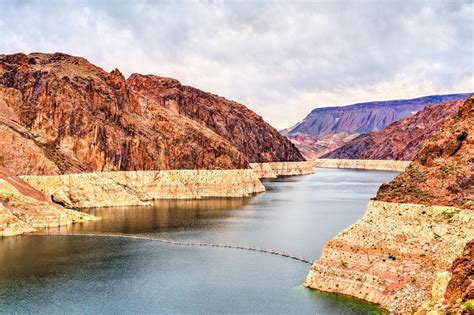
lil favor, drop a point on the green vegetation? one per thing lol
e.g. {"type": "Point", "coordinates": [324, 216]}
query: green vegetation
{"type": "Point", "coordinates": [469, 305]}
{"type": "Point", "coordinates": [416, 173]}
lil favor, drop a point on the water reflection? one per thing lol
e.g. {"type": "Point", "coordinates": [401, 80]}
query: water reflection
{"type": "Point", "coordinates": [75, 274]}
{"type": "Point", "coordinates": [162, 216]}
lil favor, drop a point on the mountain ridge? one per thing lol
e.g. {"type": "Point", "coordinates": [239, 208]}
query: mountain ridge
{"type": "Point", "coordinates": [342, 123]}
{"type": "Point", "coordinates": [72, 116]}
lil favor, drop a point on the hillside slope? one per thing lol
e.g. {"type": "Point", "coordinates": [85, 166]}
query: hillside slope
{"type": "Point", "coordinates": [326, 129]}
{"type": "Point", "coordinates": [61, 114]}
{"type": "Point", "coordinates": [442, 173]}
{"type": "Point", "coordinates": [248, 132]}
{"type": "Point", "coordinates": [412, 250]}
{"type": "Point", "coordinates": [402, 139]}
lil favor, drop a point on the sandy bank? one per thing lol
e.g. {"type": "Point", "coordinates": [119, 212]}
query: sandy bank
{"type": "Point", "coordinates": [381, 165]}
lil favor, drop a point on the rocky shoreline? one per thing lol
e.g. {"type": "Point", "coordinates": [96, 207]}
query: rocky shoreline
{"type": "Point", "coordinates": [45, 201]}
{"type": "Point", "coordinates": [412, 251]}
{"type": "Point", "coordinates": [404, 266]}
{"type": "Point", "coordinates": [276, 169]}
{"type": "Point", "coordinates": [23, 208]}
{"type": "Point", "coordinates": [380, 165]}
{"type": "Point", "coordinates": [109, 189]}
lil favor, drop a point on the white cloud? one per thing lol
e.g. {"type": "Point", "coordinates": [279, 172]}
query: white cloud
{"type": "Point", "coordinates": [281, 59]}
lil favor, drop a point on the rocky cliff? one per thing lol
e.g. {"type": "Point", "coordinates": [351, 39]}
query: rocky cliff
{"type": "Point", "coordinates": [248, 132]}
{"type": "Point", "coordinates": [325, 129]}
{"type": "Point", "coordinates": [380, 165]}
{"type": "Point", "coordinates": [442, 172]}
{"type": "Point", "coordinates": [62, 114]}
{"type": "Point", "coordinates": [277, 169]}
{"type": "Point", "coordinates": [402, 139]}
{"type": "Point", "coordinates": [23, 208]}
{"type": "Point", "coordinates": [411, 252]}
{"type": "Point", "coordinates": [108, 189]}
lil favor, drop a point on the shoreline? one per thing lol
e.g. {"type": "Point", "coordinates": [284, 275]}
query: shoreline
{"type": "Point", "coordinates": [415, 247]}
{"type": "Point", "coordinates": [379, 165]}
{"type": "Point", "coordinates": [58, 194]}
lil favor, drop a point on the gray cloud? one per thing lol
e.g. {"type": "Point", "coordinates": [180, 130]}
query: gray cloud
{"type": "Point", "coordinates": [279, 58]}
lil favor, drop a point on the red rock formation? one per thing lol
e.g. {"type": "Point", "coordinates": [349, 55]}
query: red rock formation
{"type": "Point", "coordinates": [253, 137]}
{"type": "Point", "coordinates": [62, 114]}
{"type": "Point", "coordinates": [402, 139]}
{"type": "Point", "coordinates": [442, 172]}
{"type": "Point", "coordinates": [461, 284]}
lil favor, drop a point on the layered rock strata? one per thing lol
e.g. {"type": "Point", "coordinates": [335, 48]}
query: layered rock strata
{"type": "Point", "coordinates": [139, 187]}
{"type": "Point", "coordinates": [276, 169]}
{"type": "Point", "coordinates": [412, 251]}
{"type": "Point", "coordinates": [23, 208]}
{"type": "Point", "coordinates": [381, 165]}
{"type": "Point", "coordinates": [394, 255]}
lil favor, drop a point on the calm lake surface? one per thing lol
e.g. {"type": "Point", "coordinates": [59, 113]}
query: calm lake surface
{"type": "Point", "coordinates": [80, 274]}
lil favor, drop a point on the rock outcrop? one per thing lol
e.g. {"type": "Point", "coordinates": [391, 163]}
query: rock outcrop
{"type": "Point", "coordinates": [64, 115]}
{"type": "Point", "coordinates": [107, 189]}
{"type": "Point", "coordinates": [23, 208]}
{"type": "Point", "coordinates": [442, 173]}
{"type": "Point", "coordinates": [380, 165]}
{"type": "Point", "coordinates": [248, 132]}
{"type": "Point", "coordinates": [325, 129]}
{"type": "Point", "coordinates": [402, 139]}
{"type": "Point", "coordinates": [277, 169]}
{"type": "Point", "coordinates": [412, 250]}
{"type": "Point", "coordinates": [394, 254]}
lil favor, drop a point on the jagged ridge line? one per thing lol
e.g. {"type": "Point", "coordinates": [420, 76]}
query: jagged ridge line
{"type": "Point", "coordinates": [182, 243]}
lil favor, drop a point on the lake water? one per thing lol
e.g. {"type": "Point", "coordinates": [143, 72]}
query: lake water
{"type": "Point", "coordinates": [80, 274]}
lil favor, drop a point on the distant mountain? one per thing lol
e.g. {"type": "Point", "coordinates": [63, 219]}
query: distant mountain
{"type": "Point", "coordinates": [344, 123]}
{"type": "Point", "coordinates": [402, 139]}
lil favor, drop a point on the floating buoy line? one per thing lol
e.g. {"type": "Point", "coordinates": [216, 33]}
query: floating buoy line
{"type": "Point", "coordinates": [180, 243]}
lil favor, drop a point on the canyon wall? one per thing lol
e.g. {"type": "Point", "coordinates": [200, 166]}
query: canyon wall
{"type": "Point", "coordinates": [23, 208]}
{"type": "Point", "coordinates": [395, 255]}
{"type": "Point", "coordinates": [139, 187]}
{"type": "Point", "coordinates": [244, 129]}
{"type": "Point", "coordinates": [60, 114]}
{"type": "Point", "coordinates": [276, 169]}
{"type": "Point", "coordinates": [381, 165]}
{"type": "Point", "coordinates": [412, 250]}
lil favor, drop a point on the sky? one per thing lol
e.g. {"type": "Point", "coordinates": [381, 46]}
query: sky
{"type": "Point", "coordinates": [279, 58]}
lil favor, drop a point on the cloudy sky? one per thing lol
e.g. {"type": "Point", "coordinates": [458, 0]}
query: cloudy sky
{"type": "Point", "coordinates": [281, 59]}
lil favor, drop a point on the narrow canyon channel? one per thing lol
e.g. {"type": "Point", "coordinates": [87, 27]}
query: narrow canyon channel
{"type": "Point", "coordinates": [89, 274]}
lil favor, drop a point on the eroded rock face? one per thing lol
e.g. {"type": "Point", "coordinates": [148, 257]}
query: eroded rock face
{"type": "Point", "coordinates": [277, 169]}
{"type": "Point", "coordinates": [402, 139]}
{"type": "Point", "coordinates": [442, 173]}
{"type": "Point", "coordinates": [412, 250]}
{"type": "Point", "coordinates": [461, 284]}
{"type": "Point", "coordinates": [78, 118]}
{"type": "Point", "coordinates": [327, 128]}
{"type": "Point", "coordinates": [381, 165]}
{"type": "Point", "coordinates": [253, 137]}
{"type": "Point", "coordinates": [394, 255]}
{"type": "Point", "coordinates": [108, 189]}
{"type": "Point", "coordinates": [23, 208]}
